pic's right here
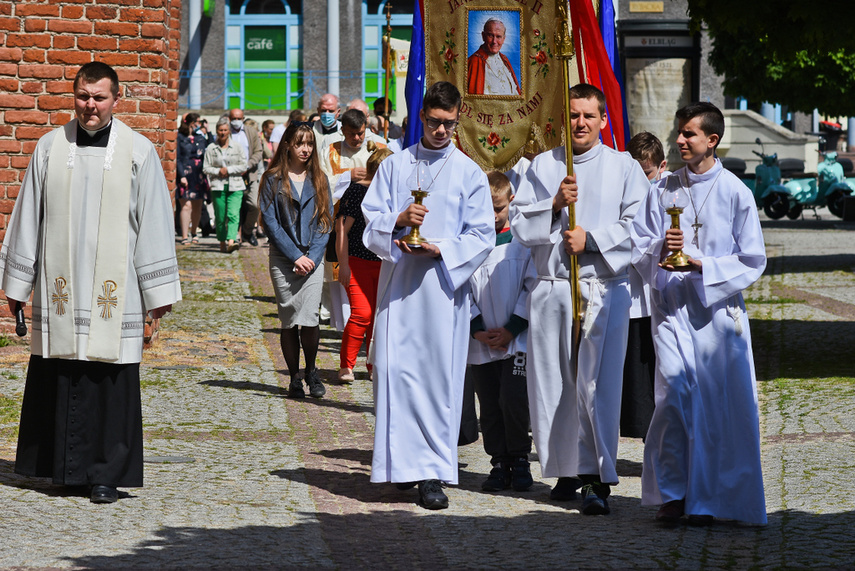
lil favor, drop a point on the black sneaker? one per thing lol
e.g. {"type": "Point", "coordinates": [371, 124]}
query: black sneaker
{"type": "Point", "coordinates": [499, 478]}
{"type": "Point", "coordinates": [316, 387]}
{"type": "Point", "coordinates": [295, 389]}
{"type": "Point", "coordinates": [565, 489]}
{"type": "Point", "coordinates": [521, 479]}
{"type": "Point", "coordinates": [594, 500]}
{"type": "Point", "coordinates": [431, 495]}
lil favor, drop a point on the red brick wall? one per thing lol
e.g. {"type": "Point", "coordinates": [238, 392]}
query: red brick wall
{"type": "Point", "coordinates": [42, 45]}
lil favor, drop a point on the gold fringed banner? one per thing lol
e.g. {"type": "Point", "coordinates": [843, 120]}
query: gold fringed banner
{"type": "Point", "coordinates": [501, 55]}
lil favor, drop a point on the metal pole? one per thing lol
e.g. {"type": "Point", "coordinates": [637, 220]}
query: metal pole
{"type": "Point", "coordinates": [194, 54]}
{"type": "Point", "coordinates": [564, 51]}
{"type": "Point", "coordinates": [388, 67]}
{"type": "Point", "coordinates": [333, 32]}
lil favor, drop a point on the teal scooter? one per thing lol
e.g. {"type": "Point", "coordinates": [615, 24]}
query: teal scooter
{"type": "Point", "coordinates": [833, 185]}
{"type": "Point", "coordinates": [829, 188]}
{"type": "Point", "coordinates": [769, 192]}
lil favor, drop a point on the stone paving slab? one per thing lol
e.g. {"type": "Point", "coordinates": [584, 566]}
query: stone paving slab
{"type": "Point", "coordinates": [282, 483]}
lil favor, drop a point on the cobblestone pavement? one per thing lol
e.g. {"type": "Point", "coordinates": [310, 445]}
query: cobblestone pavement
{"type": "Point", "coordinates": [239, 476]}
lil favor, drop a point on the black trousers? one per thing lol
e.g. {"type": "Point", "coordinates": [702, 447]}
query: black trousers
{"type": "Point", "coordinates": [81, 423]}
{"type": "Point", "coordinates": [501, 389]}
{"type": "Point", "coordinates": [639, 371]}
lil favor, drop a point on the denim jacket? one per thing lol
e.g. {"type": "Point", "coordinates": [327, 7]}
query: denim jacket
{"type": "Point", "coordinates": [292, 229]}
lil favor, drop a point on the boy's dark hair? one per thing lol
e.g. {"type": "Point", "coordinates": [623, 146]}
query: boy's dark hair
{"type": "Point", "coordinates": [267, 122]}
{"type": "Point", "coordinates": [353, 118]}
{"type": "Point", "coordinates": [587, 91]}
{"type": "Point", "coordinates": [646, 147]}
{"type": "Point", "coordinates": [442, 95]}
{"type": "Point", "coordinates": [712, 119]}
{"type": "Point", "coordinates": [500, 184]}
{"type": "Point", "coordinates": [380, 106]}
{"type": "Point", "coordinates": [94, 72]}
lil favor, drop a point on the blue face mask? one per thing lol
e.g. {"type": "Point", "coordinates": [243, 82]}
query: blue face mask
{"type": "Point", "coordinates": [327, 119]}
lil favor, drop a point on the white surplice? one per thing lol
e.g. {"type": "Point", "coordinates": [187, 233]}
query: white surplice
{"type": "Point", "coordinates": [421, 336]}
{"type": "Point", "coordinates": [704, 438]}
{"type": "Point", "coordinates": [151, 263]}
{"type": "Point", "coordinates": [575, 419]}
{"type": "Point", "coordinates": [500, 289]}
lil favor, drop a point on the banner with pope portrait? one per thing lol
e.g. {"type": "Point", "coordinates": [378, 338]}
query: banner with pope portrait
{"type": "Point", "coordinates": [501, 55]}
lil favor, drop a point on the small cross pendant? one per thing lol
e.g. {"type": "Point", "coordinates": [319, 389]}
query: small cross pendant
{"type": "Point", "coordinates": [696, 226]}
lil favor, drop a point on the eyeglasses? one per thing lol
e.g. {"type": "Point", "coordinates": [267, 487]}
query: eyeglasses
{"type": "Point", "coordinates": [435, 123]}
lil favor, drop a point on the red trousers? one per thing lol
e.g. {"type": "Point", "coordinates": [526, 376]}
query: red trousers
{"type": "Point", "coordinates": [362, 295]}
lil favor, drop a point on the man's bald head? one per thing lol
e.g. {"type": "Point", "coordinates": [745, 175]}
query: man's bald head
{"type": "Point", "coordinates": [359, 105]}
{"type": "Point", "coordinates": [236, 114]}
{"type": "Point", "coordinates": [328, 102]}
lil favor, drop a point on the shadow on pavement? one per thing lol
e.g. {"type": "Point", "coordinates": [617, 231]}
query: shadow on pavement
{"type": "Point", "coordinates": [808, 264]}
{"type": "Point", "coordinates": [282, 392]}
{"type": "Point", "coordinates": [352, 454]}
{"type": "Point", "coordinates": [402, 539]}
{"type": "Point", "coordinates": [802, 349]}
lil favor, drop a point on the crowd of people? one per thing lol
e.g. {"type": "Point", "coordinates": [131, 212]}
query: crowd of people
{"type": "Point", "coordinates": [482, 304]}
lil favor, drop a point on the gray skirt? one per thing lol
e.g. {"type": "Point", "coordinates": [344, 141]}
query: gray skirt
{"type": "Point", "coordinates": [298, 297]}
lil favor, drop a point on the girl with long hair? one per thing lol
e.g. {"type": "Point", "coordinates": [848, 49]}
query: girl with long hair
{"type": "Point", "coordinates": [296, 208]}
{"type": "Point", "coordinates": [358, 267]}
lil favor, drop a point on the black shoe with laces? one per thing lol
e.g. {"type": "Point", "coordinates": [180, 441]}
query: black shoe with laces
{"type": "Point", "coordinates": [594, 500]}
{"type": "Point", "coordinates": [431, 495]}
{"type": "Point", "coordinates": [521, 479]}
{"type": "Point", "coordinates": [316, 387]}
{"type": "Point", "coordinates": [499, 478]}
{"type": "Point", "coordinates": [295, 389]}
{"type": "Point", "coordinates": [565, 489]}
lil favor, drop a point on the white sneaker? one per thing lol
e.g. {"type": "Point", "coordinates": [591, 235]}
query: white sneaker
{"type": "Point", "coordinates": [345, 375]}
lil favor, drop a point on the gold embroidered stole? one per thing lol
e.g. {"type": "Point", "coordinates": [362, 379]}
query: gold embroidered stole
{"type": "Point", "coordinates": [110, 276]}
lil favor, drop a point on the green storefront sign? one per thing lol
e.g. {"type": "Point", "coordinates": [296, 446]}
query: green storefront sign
{"type": "Point", "coordinates": [264, 47]}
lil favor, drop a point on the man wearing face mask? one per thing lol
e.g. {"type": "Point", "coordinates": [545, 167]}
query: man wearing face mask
{"type": "Point", "coordinates": [248, 137]}
{"type": "Point", "coordinates": [328, 124]}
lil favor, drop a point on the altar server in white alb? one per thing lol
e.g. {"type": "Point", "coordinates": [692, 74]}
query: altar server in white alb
{"type": "Point", "coordinates": [421, 338]}
{"type": "Point", "coordinates": [92, 238]}
{"type": "Point", "coordinates": [702, 451]}
{"type": "Point", "coordinates": [575, 418]}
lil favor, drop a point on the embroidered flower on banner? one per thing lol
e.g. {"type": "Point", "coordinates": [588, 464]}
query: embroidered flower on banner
{"type": "Point", "coordinates": [493, 141]}
{"type": "Point", "coordinates": [542, 55]}
{"type": "Point", "coordinates": [449, 57]}
{"type": "Point", "coordinates": [548, 129]}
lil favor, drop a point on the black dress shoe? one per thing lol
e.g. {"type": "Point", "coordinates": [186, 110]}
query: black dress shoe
{"type": "Point", "coordinates": [103, 495]}
{"type": "Point", "coordinates": [671, 512]}
{"type": "Point", "coordinates": [565, 489]}
{"type": "Point", "coordinates": [701, 520]}
{"type": "Point", "coordinates": [251, 239]}
{"type": "Point", "coordinates": [431, 495]}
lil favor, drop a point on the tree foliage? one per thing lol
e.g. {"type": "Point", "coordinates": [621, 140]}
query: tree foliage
{"type": "Point", "coordinates": [800, 54]}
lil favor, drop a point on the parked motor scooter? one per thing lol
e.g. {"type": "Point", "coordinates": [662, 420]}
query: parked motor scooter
{"type": "Point", "coordinates": [769, 192]}
{"type": "Point", "coordinates": [833, 185]}
{"type": "Point", "coordinates": [803, 188]}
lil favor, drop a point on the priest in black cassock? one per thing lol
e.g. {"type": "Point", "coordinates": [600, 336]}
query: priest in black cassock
{"type": "Point", "coordinates": [91, 239]}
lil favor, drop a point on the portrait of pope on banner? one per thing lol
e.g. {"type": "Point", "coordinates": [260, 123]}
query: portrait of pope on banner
{"type": "Point", "coordinates": [490, 71]}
